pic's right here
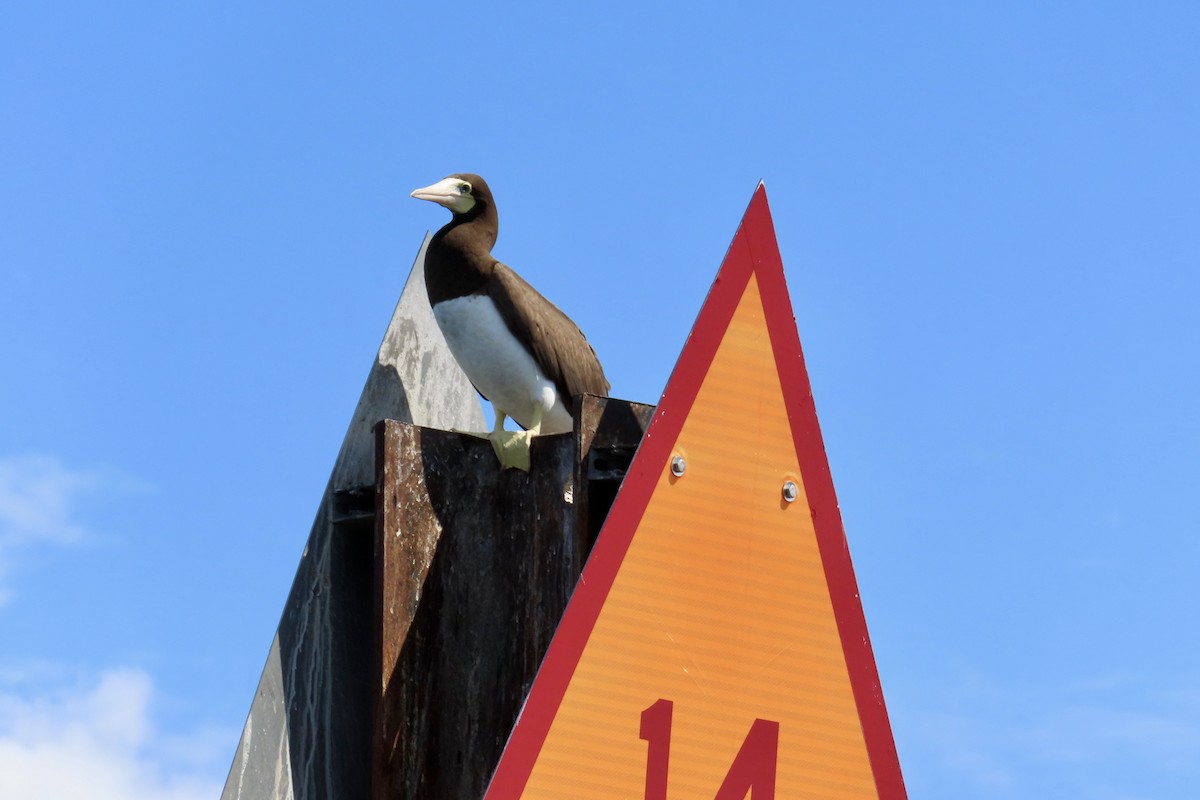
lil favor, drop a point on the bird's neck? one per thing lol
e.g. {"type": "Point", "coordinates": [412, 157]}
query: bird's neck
{"type": "Point", "coordinates": [459, 259]}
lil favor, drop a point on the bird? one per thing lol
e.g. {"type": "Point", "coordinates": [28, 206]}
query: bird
{"type": "Point", "coordinates": [521, 353]}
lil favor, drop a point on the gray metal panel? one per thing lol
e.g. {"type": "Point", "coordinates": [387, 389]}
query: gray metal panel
{"type": "Point", "coordinates": [414, 379]}
{"type": "Point", "coordinates": [307, 736]}
{"type": "Point", "coordinates": [262, 767]}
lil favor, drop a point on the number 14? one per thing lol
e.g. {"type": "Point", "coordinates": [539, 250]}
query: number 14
{"type": "Point", "coordinates": [753, 769]}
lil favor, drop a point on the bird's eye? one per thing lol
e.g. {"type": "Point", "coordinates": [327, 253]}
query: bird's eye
{"type": "Point", "coordinates": [464, 188]}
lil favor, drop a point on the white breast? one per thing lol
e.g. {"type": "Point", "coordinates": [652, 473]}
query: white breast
{"type": "Point", "coordinates": [497, 364]}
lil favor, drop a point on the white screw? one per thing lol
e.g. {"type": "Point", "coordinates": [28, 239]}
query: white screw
{"type": "Point", "coordinates": [790, 491]}
{"type": "Point", "coordinates": [678, 465]}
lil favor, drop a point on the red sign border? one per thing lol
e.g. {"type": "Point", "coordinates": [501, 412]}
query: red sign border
{"type": "Point", "coordinates": [754, 250]}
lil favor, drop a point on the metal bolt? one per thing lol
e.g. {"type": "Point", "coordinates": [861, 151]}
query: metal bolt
{"type": "Point", "coordinates": [790, 491]}
{"type": "Point", "coordinates": [678, 465]}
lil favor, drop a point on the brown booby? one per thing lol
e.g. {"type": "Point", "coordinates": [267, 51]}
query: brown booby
{"type": "Point", "coordinates": [523, 355]}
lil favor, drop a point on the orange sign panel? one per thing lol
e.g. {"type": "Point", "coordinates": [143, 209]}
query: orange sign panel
{"type": "Point", "coordinates": [715, 648]}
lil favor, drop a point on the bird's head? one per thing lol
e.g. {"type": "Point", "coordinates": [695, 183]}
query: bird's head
{"type": "Point", "coordinates": [460, 193]}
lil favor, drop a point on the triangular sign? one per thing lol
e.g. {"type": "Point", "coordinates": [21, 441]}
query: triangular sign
{"type": "Point", "coordinates": [715, 648]}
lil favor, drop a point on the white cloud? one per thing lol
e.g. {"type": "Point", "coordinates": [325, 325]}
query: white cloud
{"type": "Point", "coordinates": [100, 743]}
{"type": "Point", "coordinates": [39, 499]}
{"type": "Point", "coordinates": [37, 494]}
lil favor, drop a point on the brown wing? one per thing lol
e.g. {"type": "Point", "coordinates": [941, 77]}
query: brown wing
{"type": "Point", "coordinates": [559, 346]}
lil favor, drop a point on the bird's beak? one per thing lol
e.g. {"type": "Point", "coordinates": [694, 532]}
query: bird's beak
{"type": "Point", "coordinates": [444, 193]}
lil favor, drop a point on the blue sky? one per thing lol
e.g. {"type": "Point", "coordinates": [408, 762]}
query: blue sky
{"type": "Point", "coordinates": [988, 215]}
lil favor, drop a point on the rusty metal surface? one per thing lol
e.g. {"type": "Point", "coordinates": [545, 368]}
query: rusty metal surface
{"type": "Point", "coordinates": [609, 432]}
{"type": "Point", "coordinates": [474, 567]}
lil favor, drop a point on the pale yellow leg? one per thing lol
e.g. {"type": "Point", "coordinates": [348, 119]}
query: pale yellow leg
{"type": "Point", "coordinates": [512, 447]}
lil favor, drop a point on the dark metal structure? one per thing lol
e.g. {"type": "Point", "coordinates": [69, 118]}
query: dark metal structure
{"type": "Point", "coordinates": [307, 736]}
{"type": "Point", "coordinates": [429, 587]}
{"type": "Point", "coordinates": [474, 567]}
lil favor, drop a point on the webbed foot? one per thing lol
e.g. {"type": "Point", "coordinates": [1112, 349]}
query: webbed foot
{"type": "Point", "coordinates": [511, 448]}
